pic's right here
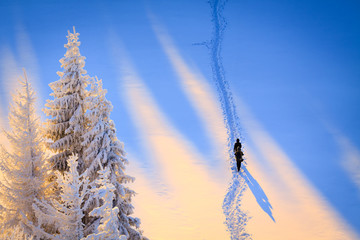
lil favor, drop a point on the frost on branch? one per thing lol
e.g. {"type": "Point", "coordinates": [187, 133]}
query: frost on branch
{"type": "Point", "coordinates": [15, 233]}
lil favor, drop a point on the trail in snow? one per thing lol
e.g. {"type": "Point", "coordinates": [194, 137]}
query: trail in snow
{"type": "Point", "coordinates": [236, 218]}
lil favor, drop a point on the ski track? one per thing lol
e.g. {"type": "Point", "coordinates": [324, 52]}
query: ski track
{"type": "Point", "coordinates": [236, 219]}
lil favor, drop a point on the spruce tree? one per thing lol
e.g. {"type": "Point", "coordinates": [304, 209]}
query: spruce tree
{"type": "Point", "coordinates": [65, 213]}
{"type": "Point", "coordinates": [80, 125]}
{"type": "Point", "coordinates": [23, 168]}
{"type": "Point", "coordinates": [67, 109]}
{"type": "Point", "coordinates": [103, 150]}
{"type": "Point", "coordinates": [108, 215]}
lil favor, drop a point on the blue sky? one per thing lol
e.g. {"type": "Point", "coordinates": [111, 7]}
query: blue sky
{"type": "Point", "coordinates": [294, 64]}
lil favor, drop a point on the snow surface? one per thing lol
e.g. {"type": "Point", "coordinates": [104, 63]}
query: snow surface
{"type": "Point", "coordinates": [267, 46]}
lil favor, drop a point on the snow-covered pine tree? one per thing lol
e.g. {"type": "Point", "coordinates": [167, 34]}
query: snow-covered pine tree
{"type": "Point", "coordinates": [65, 213]}
{"type": "Point", "coordinates": [108, 215]}
{"type": "Point", "coordinates": [81, 125]}
{"type": "Point", "coordinates": [104, 150]}
{"type": "Point", "coordinates": [67, 125]}
{"type": "Point", "coordinates": [23, 168]}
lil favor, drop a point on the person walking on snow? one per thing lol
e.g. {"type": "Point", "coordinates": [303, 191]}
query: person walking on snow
{"type": "Point", "coordinates": [238, 153]}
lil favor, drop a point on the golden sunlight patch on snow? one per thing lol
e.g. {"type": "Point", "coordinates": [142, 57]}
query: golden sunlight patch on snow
{"type": "Point", "coordinates": [299, 209]}
{"type": "Point", "coordinates": [161, 214]}
{"type": "Point", "coordinates": [201, 96]}
{"type": "Point", "coordinates": [191, 208]}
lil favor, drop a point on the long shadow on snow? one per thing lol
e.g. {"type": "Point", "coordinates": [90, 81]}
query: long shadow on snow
{"type": "Point", "coordinates": [258, 192]}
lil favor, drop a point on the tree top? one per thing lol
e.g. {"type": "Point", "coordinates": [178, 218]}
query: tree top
{"type": "Point", "coordinates": [73, 37]}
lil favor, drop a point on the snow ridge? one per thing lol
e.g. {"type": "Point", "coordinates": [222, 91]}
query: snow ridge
{"type": "Point", "coordinates": [236, 219]}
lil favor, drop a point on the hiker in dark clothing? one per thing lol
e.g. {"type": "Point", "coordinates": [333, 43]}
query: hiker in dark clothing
{"type": "Point", "coordinates": [238, 154]}
{"type": "Point", "coordinates": [237, 144]}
